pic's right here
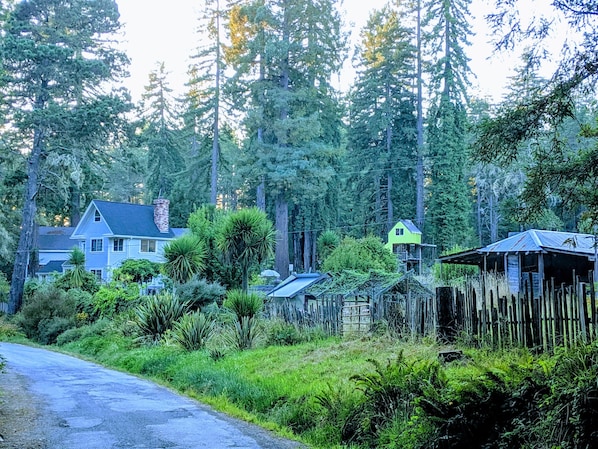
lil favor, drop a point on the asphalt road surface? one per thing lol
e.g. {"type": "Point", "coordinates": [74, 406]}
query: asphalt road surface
{"type": "Point", "coordinates": [86, 406]}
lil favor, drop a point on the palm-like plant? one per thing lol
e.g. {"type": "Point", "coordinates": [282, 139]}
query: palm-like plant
{"type": "Point", "coordinates": [77, 272]}
{"type": "Point", "coordinates": [185, 257]}
{"type": "Point", "coordinates": [246, 238]}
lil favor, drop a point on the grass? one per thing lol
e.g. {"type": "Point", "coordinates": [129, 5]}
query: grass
{"type": "Point", "coordinates": [329, 394]}
{"type": "Point", "coordinates": [273, 386]}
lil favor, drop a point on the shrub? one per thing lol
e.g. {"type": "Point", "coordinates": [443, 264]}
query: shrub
{"type": "Point", "coordinates": [364, 255]}
{"type": "Point", "coordinates": [200, 293]}
{"type": "Point", "coordinates": [243, 305]}
{"type": "Point", "coordinates": [114, 298]}
{"type": "Point", "coordinates": [39, 311]}
{"type": "Point", "coordinates": [193, 331]}
{"type": "Point", "coordinates": [73, 334]}
{"type": "Point", "coordinates": [9, 329]}
{"type": "Point", "coordinates": [281, 333]}
{"type": "Point", "coordinates": [157, 315]}
{"type": "Point", "coordinates": [137, 270]}
{"type": "Point", "coordinates": [85, 281]}
{"type": "Point", "coordinates": [49, 329]}
{"type": "Point", "coordinates": [244, 333]}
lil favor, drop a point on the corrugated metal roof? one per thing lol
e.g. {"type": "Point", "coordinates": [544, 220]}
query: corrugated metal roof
{"type": "Point", "coordinates": [295, 284]}
{"type": "Point", "coordinates": [541, 241]}
{"type": "Point", "coordinates": [411, 227]}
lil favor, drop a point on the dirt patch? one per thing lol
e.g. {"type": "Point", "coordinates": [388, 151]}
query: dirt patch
{"type": "Point", "coordinates": [21, 422]}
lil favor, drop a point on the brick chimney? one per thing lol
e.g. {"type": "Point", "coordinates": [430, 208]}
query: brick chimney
{"type": "Point", "coordinates": [161, 214]}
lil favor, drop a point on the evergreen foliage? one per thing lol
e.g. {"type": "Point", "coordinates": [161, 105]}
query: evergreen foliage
{"type": "Point", "coordinates": [58, 57]}
{"type": "Point", "coordinates": [362, 255]}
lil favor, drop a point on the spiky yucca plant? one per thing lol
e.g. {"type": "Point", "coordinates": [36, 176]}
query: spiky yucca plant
{"type": "Point", "coordinates": [243, 304]}
{"type": "Point", "coordinates": [193, 331]}
{"type": "Point", "coordinates": [185, 257]}
{"type": "Point", "coordinates": [157, 315]}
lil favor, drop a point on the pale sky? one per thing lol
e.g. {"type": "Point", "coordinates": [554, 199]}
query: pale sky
{"type": "Point", "coordinates": [165, 30]}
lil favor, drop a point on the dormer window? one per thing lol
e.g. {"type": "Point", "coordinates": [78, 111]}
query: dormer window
{"type": "Point", "coordinates": [96, 216]}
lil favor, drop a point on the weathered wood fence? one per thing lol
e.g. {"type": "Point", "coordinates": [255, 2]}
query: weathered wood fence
{"type": "Point", "coordinates": [558, 315]}
{"type": "Point", "coordinates": [483, 311]}
{"type": "Point", "coordinates": [408, 314]}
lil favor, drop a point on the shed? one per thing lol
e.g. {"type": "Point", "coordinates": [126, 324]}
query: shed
{"type": "Point", "coordinates": [293, 289]}
{"type": "Point", "coordinates": [537, 254]}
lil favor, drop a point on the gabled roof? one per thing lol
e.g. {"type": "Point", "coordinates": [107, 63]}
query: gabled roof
{"type": "Point", "coordinates": [54, 266]}
{"type": "Point", "coordinates": [536, 241]}
{"type": "Point", "coordinates": [126, 219]}
{"type": "Point", "coordinates": [532, 241]}
{"type": "Point", "coordinates": [50, 238]}
{"type": "Point", "coordinates": [295, 284]}
{"type": "Point", "coordinates": [410, 226]}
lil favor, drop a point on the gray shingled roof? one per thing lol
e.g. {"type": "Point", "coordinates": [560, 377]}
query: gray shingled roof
{"type": "Point", "coordinates": [54, 266]}
{"type": "Point", "coordinates": [50, 238]}
{"type": "Point", "coordinates": [130, 219]}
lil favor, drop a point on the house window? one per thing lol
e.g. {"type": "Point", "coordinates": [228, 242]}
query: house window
{"type": "Point", "coordinates": [118, 245]}
{"type": "Point", "coordinates": [148, 246]}
{"type": "Point", "coordinates": [97, 245]}
{"type": "Point", "coordinates": [399, 231]}
{"type": "Point", "coordinates": [97, 273]}
{"type": "Point", "coordinates": [96, 216]}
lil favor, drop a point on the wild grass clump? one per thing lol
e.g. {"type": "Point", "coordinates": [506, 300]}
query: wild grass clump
{"type": "Point", "coordinates": [193, 331]}
{"type": "Point", "coordinates": [157, 315]}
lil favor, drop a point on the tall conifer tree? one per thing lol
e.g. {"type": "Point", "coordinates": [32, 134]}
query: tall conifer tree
{"type": "Point", "coordinates": [449, 207]}
{"type": "Point", "coordinates": [57, 57]}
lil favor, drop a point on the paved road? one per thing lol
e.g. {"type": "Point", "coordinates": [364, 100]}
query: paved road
{"type": "Point", "coordinates": [87, 406]}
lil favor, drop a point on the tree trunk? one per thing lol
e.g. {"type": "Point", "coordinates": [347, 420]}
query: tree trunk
{"type": "Point", "coordinates": [75, 205]}
{"type": "Point", "coordinates": [216, 131]}
{"type": "Point", "coordinates": [282, 236]}
{"type": "Point", "coordinates": [479, 214]}
{"type": "Point", "coordinates": [307, 238]}
{"type": "Point", "coordinates": [261, 195]}
{"type": "Point", "coordinates": [19, 273]}
{"type": "Point", "coordinates": [419, 171]}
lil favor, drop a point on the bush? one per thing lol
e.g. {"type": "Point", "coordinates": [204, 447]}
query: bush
{"type": "Point", "coordinates": [200, 293]}
{"type": "Point", "coordinates": [49, 329]}
{"type": "Point", "coordinates": [114, 298]}
{"type": "Point", "coordinates": [281, 333]}
{"type": "Point", "coordinates": [245, 332]}
{"type": "Point", "coordinates": [84, 280]}
{"type": "Point", "coordinates": [193, 331]}
{"type": "Point", "coordinates": [9, 329]}
{"type": "Point", "coordinates": [73, 334]}
{"type": "Point", "coordinates": [46, 313]}
{"type": "Point", "coordinates": [137, 270]}
{"type": "Point", "coordinates": [157, 315]}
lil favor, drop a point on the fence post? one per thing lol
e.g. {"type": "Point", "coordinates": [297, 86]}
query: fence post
{"type": "Point", "coordinates": [446, 313]}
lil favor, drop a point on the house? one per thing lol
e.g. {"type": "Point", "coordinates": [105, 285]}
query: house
{"type": "Point", "coordinates": [405, 241]}
{"type": "Point", "coordinates": [110, 233]}
{"type": "Point", "coordinates": [535, 254]}
{"type": "Point", "coordinates": [52, 246]}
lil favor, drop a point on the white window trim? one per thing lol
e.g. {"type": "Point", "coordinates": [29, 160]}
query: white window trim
{"type": "Point", "coordinates": [155, 250]}
{"type": "Point", "coordinates": [114, 245]}
{"type": "Point", "coordinates": [91, 250]}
